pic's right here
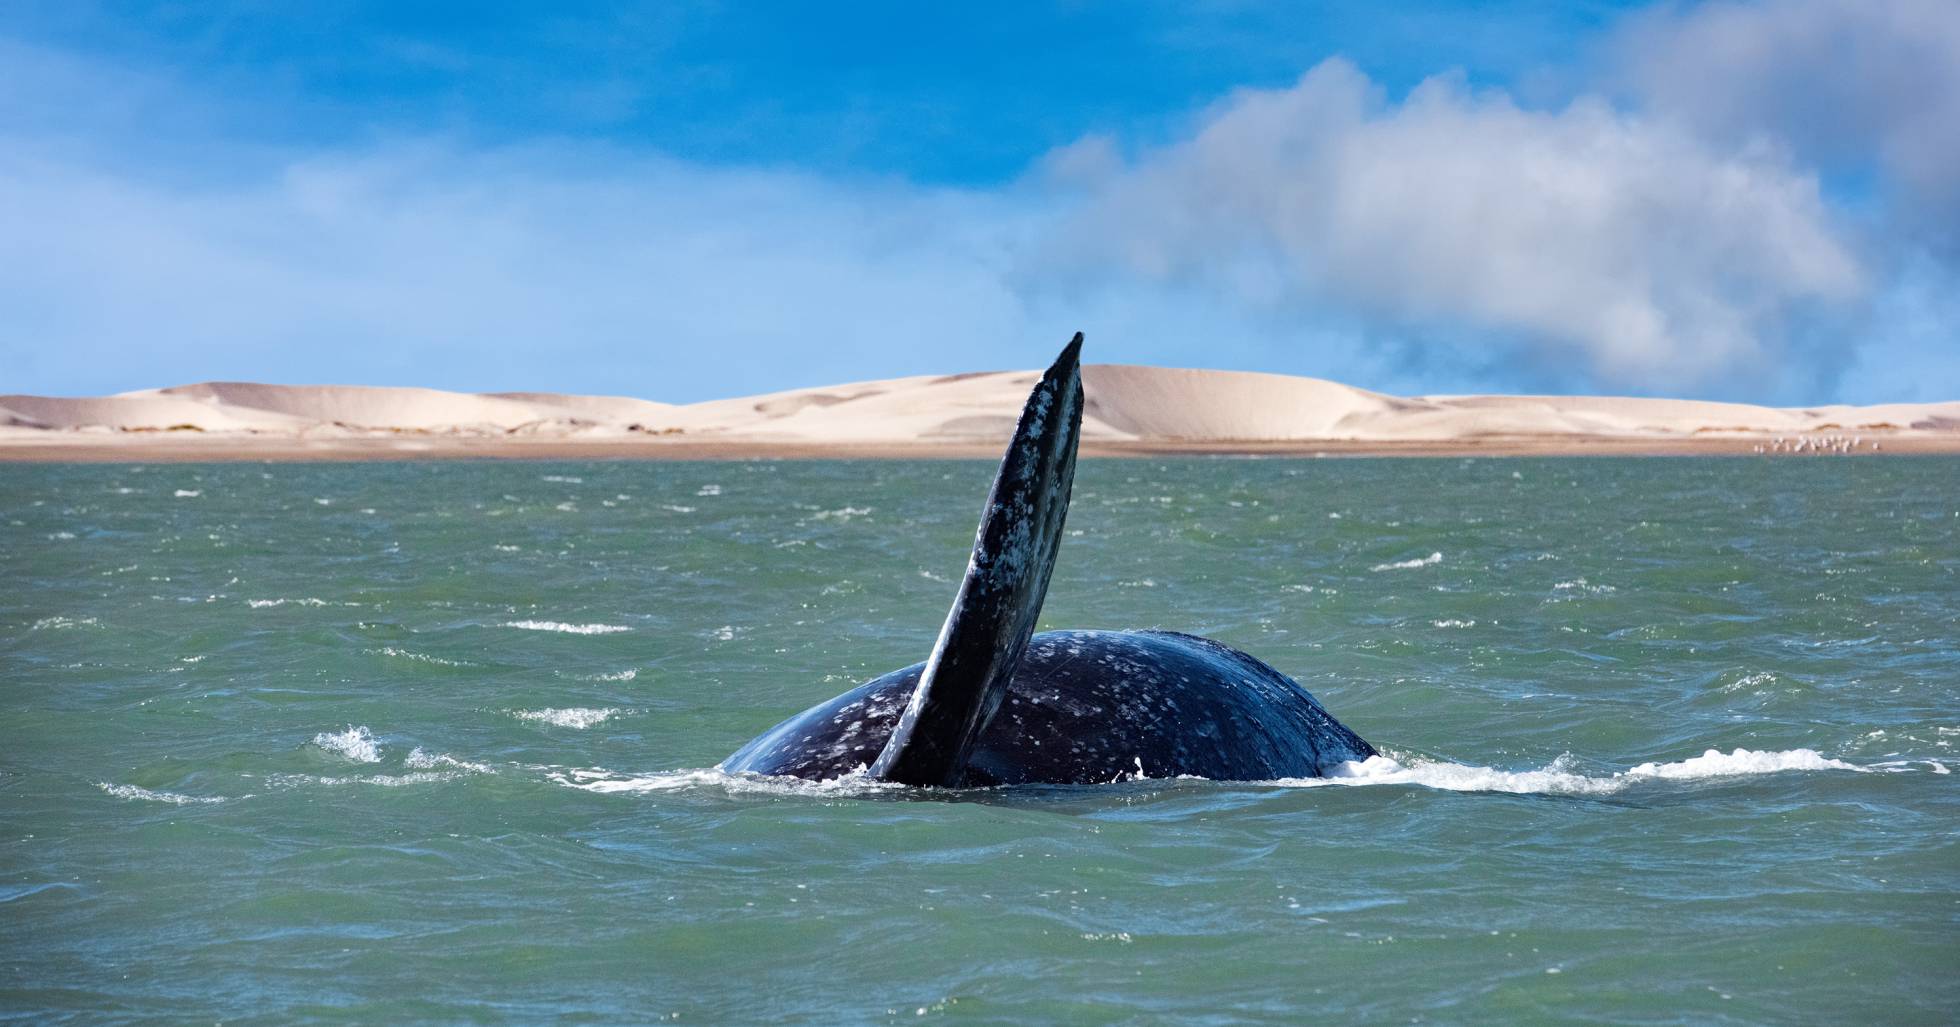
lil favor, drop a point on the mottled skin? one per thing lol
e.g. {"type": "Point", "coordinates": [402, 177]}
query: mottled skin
{"type": "Point", "coordinates": [1088, 707]}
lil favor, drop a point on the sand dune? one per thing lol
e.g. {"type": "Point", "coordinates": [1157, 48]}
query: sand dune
{"type": "Point", "coordinates": [1127, 407]}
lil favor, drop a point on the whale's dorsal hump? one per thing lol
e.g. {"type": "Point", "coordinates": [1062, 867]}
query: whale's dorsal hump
{"type": "Point", "coordinates": [994, 614]}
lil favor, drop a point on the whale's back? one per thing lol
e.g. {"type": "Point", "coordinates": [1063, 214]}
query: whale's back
{"type": "Point", "coordinates": [1087, 707]}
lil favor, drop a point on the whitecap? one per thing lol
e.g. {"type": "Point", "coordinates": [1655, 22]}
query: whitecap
{"type": "Point", "coordinates": [1453, 623]}
{"type": "Point", "coordinates": [63, 623]}
{"type": "Point", "coordinates": [569, 629]}
{"type": "Point", "coordinates": [134, 792]}
{"type": "Point", "coordinates": [566, 479]}
{"type": "Point", "coordinates": [260, 604]}
{"type": "Point", "coordinates": [404, 654]}
{"type": "Point", "coordinates": [355, 743]}
{"type": "Point", "coordinates": [578, 718]}
{"type": "Point", "coordinates": [1559, 778]}
{"type": "Point", "coordinates": [417, 759]}
{"type": "Point", "coordinates": [603, 781]}
{"type": "Point", "coordinates": [1403, 565]}
{"type": "Point", "coordinates": [417, 777]}
{"type": "Point", "coordinates": [188, 493]}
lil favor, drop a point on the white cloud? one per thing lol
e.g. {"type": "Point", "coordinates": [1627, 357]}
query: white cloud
{"type": "Point", "coordinates": [1856, 86]}
{"type": "Point", "coordinates": [441, 265]}
{"type": "Point", "coordinates": [1615, 250]}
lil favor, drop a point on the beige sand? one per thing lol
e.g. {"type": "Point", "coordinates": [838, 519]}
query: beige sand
{"type": "Point", "coordinates": [1130, 410]}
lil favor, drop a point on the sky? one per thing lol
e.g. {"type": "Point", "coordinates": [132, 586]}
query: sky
{"type": "Point", "coordinates": [686, 201]}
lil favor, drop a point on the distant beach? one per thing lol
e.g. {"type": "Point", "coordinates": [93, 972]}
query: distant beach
{"type": "Point", "coordinates": [1131, 411]}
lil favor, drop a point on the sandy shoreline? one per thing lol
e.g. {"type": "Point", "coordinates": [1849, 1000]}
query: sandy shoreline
{"type": "Point", "coordinates": [1129, 412]}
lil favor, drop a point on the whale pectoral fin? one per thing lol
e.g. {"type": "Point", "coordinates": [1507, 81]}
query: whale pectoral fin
{"type": "Point", "coordinates": [994, 614]}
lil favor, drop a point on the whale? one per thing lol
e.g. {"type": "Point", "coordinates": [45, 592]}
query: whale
{"type": "Point", "coordinates": [998, 704]}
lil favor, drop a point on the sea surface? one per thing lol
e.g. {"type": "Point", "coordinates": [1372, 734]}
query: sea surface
{"type": "Point", "coordinates": [1670, 739]}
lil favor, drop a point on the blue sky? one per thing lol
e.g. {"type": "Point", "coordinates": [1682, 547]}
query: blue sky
{"type": "Point", "coordinates": [686, 201]}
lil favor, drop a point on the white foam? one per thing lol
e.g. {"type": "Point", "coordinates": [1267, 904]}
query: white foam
{"type": "Point", "coordinates": [418, 777]}
{"type": "Point", "coordinates": [575, 717]}
{"type": "Point", "coordinates": [189, 493]}
{"type": "Point", "coordinates": [63, 623]}
{"type": "Point", "coordinates": [1404, 565]}
{"type": "Point", "coordinates": [569, 629]}
{"type": "Point", "coordinates": [261, 604]}
{"type": "Point", "coordinates": [1453, 623]}
{"type": "Point", "coordinates": [600, 677]}
{"type": "Point", "coordinates": [417, 759]}
{"type": "Point", "coordinates": [1558, 778]}
{"type": "Point", "coordinates": [598, 779]}
{"type": "Point", "coordinates": [133, 792]}
{"type": "Point", "coordinates": [564, 479]}
{"type": "Point", "coordinates": [355, 744]}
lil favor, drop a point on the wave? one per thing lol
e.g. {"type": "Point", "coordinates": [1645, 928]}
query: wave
{"type": "Point", "coordinates": [260, 604]}
{"type": "Point", "coordinates": [417, 777]}
{"type": "Point", "coordinates": [606, 782]}
{"type": "Point", "coordinates": [134, 793]}
{"type": "Point", "coordinates": [1559, 778]}
{"type": "Point", "coordinates": [569, 629]}
{"type": "Point", "coordinates": [418, 759]}
{"type": "Point", "coordinates": [611, 675]}
{"type": "Point", "coordinates": [404, 654]}
{"type": "Point", "coordinates": [574, 717]}
{"type": "Point", "coordinates": [64, 623]}
{"type": "Point", "coordinates": [1404, 565]}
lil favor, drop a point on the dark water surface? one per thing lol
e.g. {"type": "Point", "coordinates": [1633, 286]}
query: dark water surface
{"type": "Point", "coordinates": [1671, 740]}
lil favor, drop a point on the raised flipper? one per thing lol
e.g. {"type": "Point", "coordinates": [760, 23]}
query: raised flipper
{"type": "Point", "coordinates": [994, 614]}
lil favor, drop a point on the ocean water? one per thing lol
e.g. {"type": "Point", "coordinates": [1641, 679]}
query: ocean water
{"type": "Point", "coordinates": [1669, 740]}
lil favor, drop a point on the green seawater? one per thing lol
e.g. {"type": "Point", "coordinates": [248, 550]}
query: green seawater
{"type": "Point", "coordinates": [1671, 740]}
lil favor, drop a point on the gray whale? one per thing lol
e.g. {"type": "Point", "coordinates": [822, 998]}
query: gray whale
{"type": "Point", "coordinates": [997, 704]}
